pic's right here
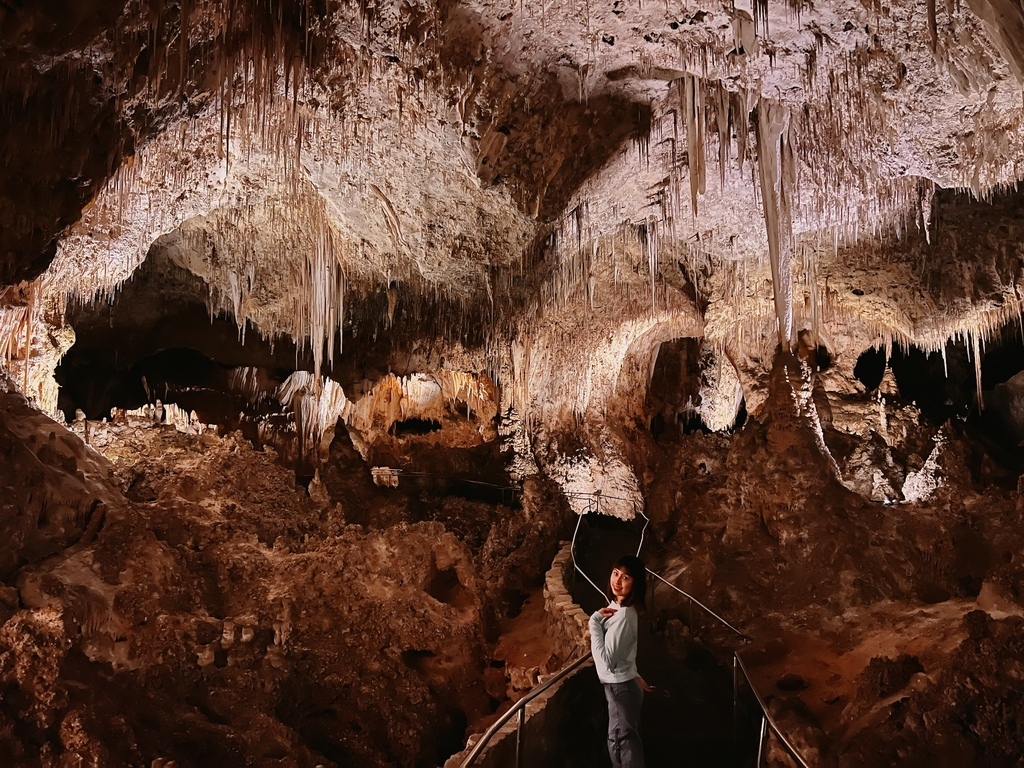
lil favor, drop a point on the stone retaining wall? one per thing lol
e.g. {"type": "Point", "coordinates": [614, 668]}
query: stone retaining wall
{"type": "Point", "coordinates": [567, 624]}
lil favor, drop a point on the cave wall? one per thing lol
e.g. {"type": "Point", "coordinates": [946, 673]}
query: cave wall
{"type": "Point", "coordinates": [459, 238]}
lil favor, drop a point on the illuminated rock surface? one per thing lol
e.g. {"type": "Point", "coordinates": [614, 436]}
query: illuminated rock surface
{"type": "Point", "coordinates": [373, 297]}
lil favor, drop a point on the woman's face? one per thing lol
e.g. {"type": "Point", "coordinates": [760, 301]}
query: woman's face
{"type": "Point", "coordinates": [621, 583]}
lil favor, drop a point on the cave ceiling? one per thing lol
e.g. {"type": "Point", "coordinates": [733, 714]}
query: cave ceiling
{"type": "Point", "coordinates": [539, 183]}
{"type": "Point", "coordinates": [347, 306]}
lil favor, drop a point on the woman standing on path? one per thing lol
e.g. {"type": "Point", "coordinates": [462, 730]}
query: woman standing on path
{"type": "Point", "coordinates": [613, 635]}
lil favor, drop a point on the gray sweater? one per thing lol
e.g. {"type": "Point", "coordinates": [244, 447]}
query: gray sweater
{"type": "Point", "coordinates": [613, 644]}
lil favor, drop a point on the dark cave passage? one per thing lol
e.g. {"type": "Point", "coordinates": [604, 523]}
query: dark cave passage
{"type": "Point", "coordinates": [1003, 358]}
{"type": "Point", "coordinates": [946, 389]}
{"type": "Point", "coordinates": [674, 392]}
{"type": "Point", "coordinates": [415, 426]}
{"type": "Point", "coordinates": [672, 406]}
{"type": "Point", "coordinates": [692, 713]}
{"type": "Point", "coordinates": [941, 389]}
{"type": "Point", "coordinates": [96, 383]}
{"type": "Point", "coordinates": [157, 341]}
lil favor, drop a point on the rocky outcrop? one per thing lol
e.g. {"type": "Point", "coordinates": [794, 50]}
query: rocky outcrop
{"type": "Point", "coordinates": [656, 251]}
{"type": "Point", "coordinates": [211, 609]}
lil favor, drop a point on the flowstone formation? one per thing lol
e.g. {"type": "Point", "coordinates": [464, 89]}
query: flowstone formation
{"type": "Point", "coordinates": [318, 320]}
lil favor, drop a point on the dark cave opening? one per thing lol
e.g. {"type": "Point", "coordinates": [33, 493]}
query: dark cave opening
{"type": "Point", "coordinates": [741, 416]}
{"type": "Point", "coordinates": [1000, 422]}
{"type": "Point", "coordinates": [160, 327]}
{"type": "Point", "coordinates": [416, 659]}
{"type": "Point", "coordinates": [944, 387]}
{"type": "Point", "coordinates": [690, 422]}
{"type": "Point", "coordinates": [444, 586]}
{"type": "Point", "coordinates": [428, 486]}
{"type": "Point", "coordinates": [415, 426]}
{"type": "Point", "coordinates": [488, 493]}
{"type": "Point", "coordinates": [940, 388]}
{"type": "Point", "coordinates": [870, 368]}
{"type": "Point", "coordinates": [672, 407]}
{"type": "Point", "coordinates": [1003, 359]}
{"type": "Point", "coordinates": [179, 366]}
{"type": "Point", "coordinates": [823, 357]}
{"type": "Point", "coordinates": [94, 387]}
{"type": "Point", "coordinates": [178, 375]}
{"type": "Point", "coordinates": [657, 425]}
{"type": "Point", "coordinates": [674, 392]}
{"type": "Point", "coordinates": [452, 736]}
{"type": "Point", "coordinates": [474, 473]}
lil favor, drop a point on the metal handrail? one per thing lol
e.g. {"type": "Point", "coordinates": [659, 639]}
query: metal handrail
{"type": "Point", "coordinates": [693, 599]}
{"type": "Point", "coordinates": [572, 552]}
{"type": "Point", "coordinates": [767, 719]}
{"type": "Point", "coordinates": [766, 715]}
{"type": "Point", "coordinates": [520, 708]}
{"type": "Point", "coordinates": [594, 505]}
{"type": "Point", "coordinates": [399, 472]}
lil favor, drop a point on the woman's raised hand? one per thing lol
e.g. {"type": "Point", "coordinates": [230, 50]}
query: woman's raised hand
{"type": "Point", "coordinates": [607, 612]}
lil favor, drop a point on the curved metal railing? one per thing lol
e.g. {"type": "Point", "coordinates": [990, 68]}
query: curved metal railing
{"type": "Point", "coordinates": [739, 668]}
{"type": "Point", "coordinates": [594, 508]}
{"type": "Point", "coordinates": [767, 721]}
{"type": "Point", "coordinates": [695, 601]}
{"type": "Point", "coordinates": [519, 709]}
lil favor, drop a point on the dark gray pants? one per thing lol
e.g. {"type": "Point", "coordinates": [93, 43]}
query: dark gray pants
{"type": "Point", "coordinates": [624, 744]}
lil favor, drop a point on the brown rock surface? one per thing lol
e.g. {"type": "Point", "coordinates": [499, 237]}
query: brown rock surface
{"type": "Point", "coordinates": [378, 292]}
{"type": "Point", "coordinates": [216, 613]}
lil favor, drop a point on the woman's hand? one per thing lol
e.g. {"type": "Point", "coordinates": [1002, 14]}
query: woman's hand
{"type": "Point", "coordinates": [643, 684]}
{"type": "Point", "coordinates": [607, 612]}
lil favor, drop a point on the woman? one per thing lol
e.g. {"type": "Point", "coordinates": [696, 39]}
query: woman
{"type": "Point", "coordinates": [613, 633]}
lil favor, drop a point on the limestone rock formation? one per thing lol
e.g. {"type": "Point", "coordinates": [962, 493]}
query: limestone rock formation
{"type": "Point", "coordinates": [321, 321]}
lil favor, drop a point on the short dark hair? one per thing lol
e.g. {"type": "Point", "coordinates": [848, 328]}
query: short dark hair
{"type": "Point", "coordinates": [635, 567]}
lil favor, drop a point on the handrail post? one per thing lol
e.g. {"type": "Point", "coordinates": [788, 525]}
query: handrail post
{"type": "Point", "coordinates": [735, 706]}
{"type": "Point", "coordinates": [519, 739]}
{"type": "Point", "coordinates": [519, 708]}
{"type": "Point", "coordinates": [760, 740]}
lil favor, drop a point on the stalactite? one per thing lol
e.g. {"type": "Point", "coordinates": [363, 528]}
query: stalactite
{"type": "Point", "coordinates": [724, 124]}
{"type": "Point", "coordinates": [693, 110]}
{"type": "Point", "coordinates": [771, 130]}
{"type": "Point", "coordinates": [261, 94]}
{"type": "Point", "coordinates": [28, 339]}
